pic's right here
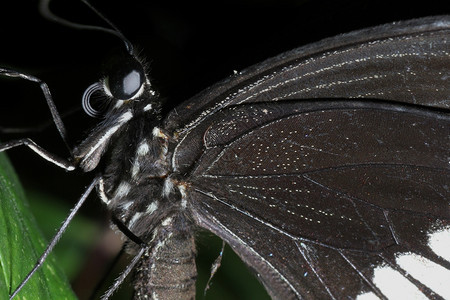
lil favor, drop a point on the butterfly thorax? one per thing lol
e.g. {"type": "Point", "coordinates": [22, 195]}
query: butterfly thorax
{"type": "Point", "coordinates": [137, 188]}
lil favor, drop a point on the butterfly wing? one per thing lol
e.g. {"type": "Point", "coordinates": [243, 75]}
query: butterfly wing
{"type": "Point", "coordinates": [316, 200]}
{"type": "Point", "coordinates": [327, 198]}
{"type": "Point", "coordinates": [397, 62]}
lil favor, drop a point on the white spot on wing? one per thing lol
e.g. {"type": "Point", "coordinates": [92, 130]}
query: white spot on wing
{"type": "Point", "coordinates": [427, 272]}
{"type": "Point", "coordinates": [367, 296]}
{"type": "Point", "coordinates": [394, 285]}
{"type": "Point", "coordinates": [439, 242]}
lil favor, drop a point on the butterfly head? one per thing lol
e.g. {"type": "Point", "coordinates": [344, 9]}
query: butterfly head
{"type": "Point", "coordinates": [124, 81]}
{"type": "Point", "coordinates": [126, 94]}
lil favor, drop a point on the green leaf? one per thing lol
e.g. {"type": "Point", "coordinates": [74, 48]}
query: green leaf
{"type": "Point", "coordinates": [21, 244]}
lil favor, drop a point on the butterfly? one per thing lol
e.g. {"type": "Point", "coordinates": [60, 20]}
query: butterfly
{"type": "Point", "coordinates": [213, 139]}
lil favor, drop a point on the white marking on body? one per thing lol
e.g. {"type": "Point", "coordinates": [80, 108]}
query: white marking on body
{"type": "Point", "coordinates": [152, 207]}
{"type": "Point", "coordinates": [158, 133]}
{"type": "Point", "coordinates": [160, 244]}
{"type": "Point", "coordinates": [119, 103]}
{"type": "Point", "coordinates": [167, 221]}
{"type": "Point", "coordinates": [134, 219]}
{"type": "Point", "coordinates": [135, 168]}
{"type": "Point", "coordinates": [126, 205]}
{"type": "Point", "coordinates": [168, 187]}
{"type": "Point", "coordinates": [101, 191]}
{"type": "Point", "coordinates": [439, 242]}
{"type": "Point", "coordinates": [126, 117]}
{"type": "Point", "coordinates": [182, 190]}
{"type": "Point", "coordinates": [122, 190]}
{"type": "Point", "coordinates": [104, 138]}
{"type": "Point", "coordinates": [394, 285]}
{"type": "Point", "coordinates": [147, 107]}
{"type": "Point", "coordinates": [143, 149]}
{"type": "Point", "coordinates": [122, 119]}
{"type": "Point", "coordinates": [427, 272]}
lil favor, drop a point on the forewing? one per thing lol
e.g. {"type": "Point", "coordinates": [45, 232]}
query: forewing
{"type": "Point", "coordinates": [406, 62]}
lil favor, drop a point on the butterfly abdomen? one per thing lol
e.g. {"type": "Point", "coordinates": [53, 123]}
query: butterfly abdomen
{"type": "Point", "coordinates": [168, 270]}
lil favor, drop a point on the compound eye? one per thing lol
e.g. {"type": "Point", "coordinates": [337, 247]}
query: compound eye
{"type": "Point", "coordinates": [125, 80]}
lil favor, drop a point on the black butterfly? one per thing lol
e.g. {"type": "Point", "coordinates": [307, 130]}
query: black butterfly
{"type": "Point", "coordinates": [306, 191]}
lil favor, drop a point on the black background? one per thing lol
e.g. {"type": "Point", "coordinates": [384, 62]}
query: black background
{"type": "Point", "coordinates": [188, 47]}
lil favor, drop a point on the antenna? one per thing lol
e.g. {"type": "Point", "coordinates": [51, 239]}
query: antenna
{"type": "Point", "coordinates": [44, 9]}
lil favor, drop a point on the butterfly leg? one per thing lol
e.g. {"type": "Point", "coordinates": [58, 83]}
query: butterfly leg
{"type": "Point", "coordinates": [143, 248]}
{"type": "Point", "coordinates": [57, 236]}
{"type": "Point", "coordinates": [65, 164]}
{"type": "Point", "coordinates": [125, 273]}
{"type": "Point", "coordinates": [48, 97]}
{"type": "Point", "coordinates": [60, 162]}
